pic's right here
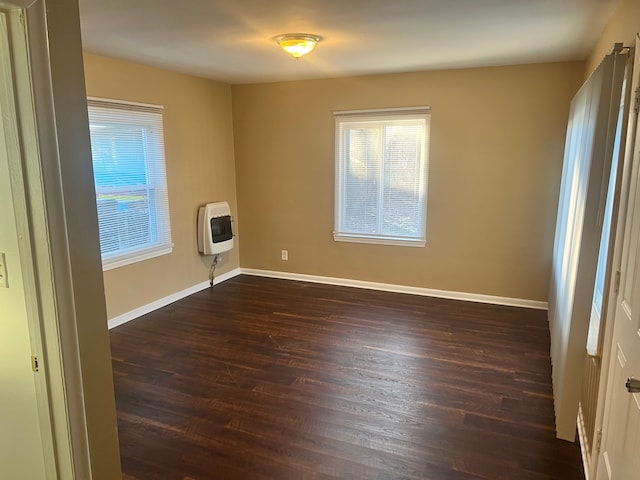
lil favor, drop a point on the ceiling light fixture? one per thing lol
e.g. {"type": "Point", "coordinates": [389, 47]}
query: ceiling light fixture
{"type": "Point", "coordinates": [297, 44]}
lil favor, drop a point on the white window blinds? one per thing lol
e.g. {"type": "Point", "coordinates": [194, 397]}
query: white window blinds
{"type": "Point", "coordinates": [127, 144]}
{"type": "Point", "coordinates": [381, 176]}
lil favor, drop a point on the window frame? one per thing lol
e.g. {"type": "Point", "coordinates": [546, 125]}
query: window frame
{"type": "Point", "coordinates": [156, 181]}
{"type": "Point", "coordinates": [360, 116]}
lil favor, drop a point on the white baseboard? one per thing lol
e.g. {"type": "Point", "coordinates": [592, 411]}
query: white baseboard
{"type": "Point", "coordinates": [346, 282]}
{"type": "Point", "coordinates": [387, 287]}
{"type": "Point", "coordinates": [150, 307]}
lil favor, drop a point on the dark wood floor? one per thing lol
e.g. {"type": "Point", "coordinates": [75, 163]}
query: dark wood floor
{"type": "Point", "coordinates": [272, 379]}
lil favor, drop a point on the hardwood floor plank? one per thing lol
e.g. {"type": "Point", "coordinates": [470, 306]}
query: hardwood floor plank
{"type": "Point", "coordinates": [260, 378]}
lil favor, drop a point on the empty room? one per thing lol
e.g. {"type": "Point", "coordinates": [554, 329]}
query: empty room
{"type": "Point", "coordinates": [330, 240]}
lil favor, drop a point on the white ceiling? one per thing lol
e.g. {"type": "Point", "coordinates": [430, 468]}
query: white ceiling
{"type": "Point", "coordinates": [232, 40]}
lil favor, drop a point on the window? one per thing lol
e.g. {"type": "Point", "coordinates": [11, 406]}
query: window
{"type": "Point", "coordinates": [127, 147]}
{"type": "Point", "coordinates": [381, 176]}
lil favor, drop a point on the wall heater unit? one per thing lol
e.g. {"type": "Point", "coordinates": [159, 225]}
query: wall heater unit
{"type": "Point", "coordinates": [214, 228]}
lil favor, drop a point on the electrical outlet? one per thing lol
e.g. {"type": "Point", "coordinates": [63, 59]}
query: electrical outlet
{"type": "Point", "coordinates": [4, 282]}
{"type": "Point", "coordinates": [285, 254]}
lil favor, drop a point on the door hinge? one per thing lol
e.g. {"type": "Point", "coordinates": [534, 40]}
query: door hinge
{"type": "Point", "coordinates": [34, 364]}
{"type": "Point", "coordinates": [636, 101]}
{"type": "Point", "coordinates": [616, 284]}
{"type": "Point", "coordinates": [598, 440]}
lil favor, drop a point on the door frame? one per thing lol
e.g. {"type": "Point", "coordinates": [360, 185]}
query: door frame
{"type": "Point", "coordinates": [62, 432]}
{"type": "Point", "coordinates": [67, 320]}
{"type": "Point", "coordinates": [609, 306]}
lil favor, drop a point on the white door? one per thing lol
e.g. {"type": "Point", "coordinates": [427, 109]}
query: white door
{"type": "Point", "coordinates": [21, 447]}
{"type": "Point", "coordinates": [621, 447]}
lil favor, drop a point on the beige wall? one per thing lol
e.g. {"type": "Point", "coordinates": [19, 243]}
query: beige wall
{"type": "Point", "coordinates": [497, 141]}
{"type": "Point", "coordinates": [200, 169]}
{"type": "Point", "coordinates": [622, 27]}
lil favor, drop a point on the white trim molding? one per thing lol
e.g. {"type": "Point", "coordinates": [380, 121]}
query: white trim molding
{"type": "Point", "coordinates": [162, 302]}
{"type": "Point", "coordinates": [345, 282]}
{"type": "Point", "coordinates": [387, 287]}
{"type": "Point", "coordinates": [22, 4]}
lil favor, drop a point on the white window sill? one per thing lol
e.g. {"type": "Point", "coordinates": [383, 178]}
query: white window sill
{"type": "Point", "coordinates": [379, 240]}
{"type": "Point", "coordinates": [133, 257]}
